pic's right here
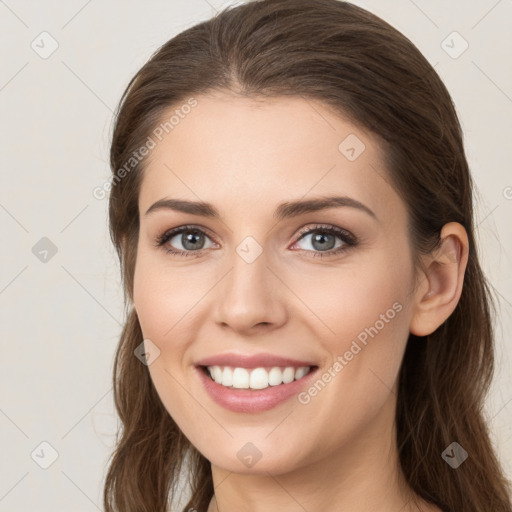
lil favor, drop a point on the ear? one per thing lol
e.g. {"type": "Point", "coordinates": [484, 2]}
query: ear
{"type": "Point", "coordinates": [440, 286]}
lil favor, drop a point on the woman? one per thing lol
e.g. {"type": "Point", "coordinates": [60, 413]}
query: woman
{"type": "Point", "coordinates": [308, 324]}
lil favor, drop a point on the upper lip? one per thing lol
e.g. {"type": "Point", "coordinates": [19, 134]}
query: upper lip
{"type": "Point", "coordinates": [251, 361]}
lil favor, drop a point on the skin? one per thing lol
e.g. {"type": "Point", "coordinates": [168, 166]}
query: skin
{"type": "Point", "coordinates": [245, 156]}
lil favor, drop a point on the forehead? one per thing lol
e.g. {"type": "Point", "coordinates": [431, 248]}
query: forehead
{"type": "Point", "coordinates": [256, 150]}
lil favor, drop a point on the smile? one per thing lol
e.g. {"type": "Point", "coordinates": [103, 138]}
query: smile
{"type": "Point", "coordinates": [246, 390]}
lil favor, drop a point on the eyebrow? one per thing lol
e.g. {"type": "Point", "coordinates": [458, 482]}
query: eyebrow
{"type": "Point", "coordinates": [284, 210]}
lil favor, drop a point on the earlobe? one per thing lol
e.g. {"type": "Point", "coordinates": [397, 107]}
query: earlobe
{"type": "Point", "coordinates": [439, 292]}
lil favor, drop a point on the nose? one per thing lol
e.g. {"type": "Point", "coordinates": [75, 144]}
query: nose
{"type": "Point", "coordinates": [250, 298]}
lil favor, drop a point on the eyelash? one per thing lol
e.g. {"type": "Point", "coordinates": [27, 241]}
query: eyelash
{"type": "Point", "coordinates": [347, 238]}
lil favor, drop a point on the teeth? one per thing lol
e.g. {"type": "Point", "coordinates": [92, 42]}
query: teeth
{"type": "Point", "coordinates": [240, 378]}
{"type": "Point", "coordinates": [258, 378]}
{"type": "Point", "coordinates": [227, 377]}
{"type": "Point", "coordinates": [275, 376]}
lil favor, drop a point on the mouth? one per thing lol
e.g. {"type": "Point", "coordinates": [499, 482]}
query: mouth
{"type": "Point", "coordinates": [259, 378]}
{"type": "Point", "coordinates": [251, 383]}
{"type": "Point", "coordinates": [254, 390]}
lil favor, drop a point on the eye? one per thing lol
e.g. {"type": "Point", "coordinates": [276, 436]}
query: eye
{"type": "Point", "coordinates": [189, 239]}
{"type": "Point", "coordinates": [321, 240]}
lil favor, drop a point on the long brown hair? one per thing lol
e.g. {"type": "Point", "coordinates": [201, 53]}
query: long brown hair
{"type": "Point", "coordinates": [371, 74]}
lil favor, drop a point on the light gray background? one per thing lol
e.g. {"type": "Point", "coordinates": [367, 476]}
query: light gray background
{"type": "Point", "coordinates": [60, 319]}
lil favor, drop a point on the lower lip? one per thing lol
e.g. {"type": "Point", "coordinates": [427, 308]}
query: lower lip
{"type": "Point", "coordinates": [248, 400]}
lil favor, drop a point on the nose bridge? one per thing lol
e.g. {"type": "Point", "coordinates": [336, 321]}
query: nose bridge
{"type": "Point", "coordinates": [249, 266]}
{"type": "Point", "coordinates": [248, 295]}
{"type": "Point", "coordinates": [248, 280]}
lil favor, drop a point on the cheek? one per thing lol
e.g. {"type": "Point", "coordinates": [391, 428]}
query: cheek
{"type": "Point", "coordinates": [150, 302]}
{"type": "Point", "coordinates": [162, 297]}
{"type": "Point", "coordinates": [161, 306]}
{"type": "Point", "coordinates": [364, 327]}
{"type": "Point", "coordinates": [354, 298]}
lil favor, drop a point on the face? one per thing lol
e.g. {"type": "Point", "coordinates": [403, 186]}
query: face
{"type": "Point", "coordinates": [322, 287]}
